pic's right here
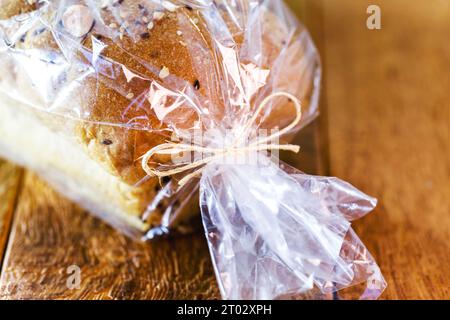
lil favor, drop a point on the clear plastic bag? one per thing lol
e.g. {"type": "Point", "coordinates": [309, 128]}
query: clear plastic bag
{"type": "Point", "coordinates": [91, 86]}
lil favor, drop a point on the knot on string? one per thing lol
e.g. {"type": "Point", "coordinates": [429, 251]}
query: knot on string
{"type": "Point", "coordinates": [211, 154]}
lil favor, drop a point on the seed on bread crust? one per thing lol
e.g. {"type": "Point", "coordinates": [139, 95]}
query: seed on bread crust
{"type": "Point", "coordinates": [78, 20]}
{"type": "Point", "coordinates": [164, 73]}
{"type": "Point", "coordinates": [158, 15]}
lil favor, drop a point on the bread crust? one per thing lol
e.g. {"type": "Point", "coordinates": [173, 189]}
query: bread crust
{"type": "Point", "coordinates": [11, 8]}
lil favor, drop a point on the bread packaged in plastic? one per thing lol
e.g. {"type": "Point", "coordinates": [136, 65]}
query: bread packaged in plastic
{"type": "Point", "coordinates": [138, 109]}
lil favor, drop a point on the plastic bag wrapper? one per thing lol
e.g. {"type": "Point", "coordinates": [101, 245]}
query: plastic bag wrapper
{"type": "Point", "coordinates": [89, 87]}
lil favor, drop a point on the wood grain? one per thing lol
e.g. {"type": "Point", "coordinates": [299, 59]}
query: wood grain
{"type": "Point", "coordinates": [50, 234]}
{"type": "Point", "coordinates": [388, 105]}
{"type": "Point", "coordinates": [9, 188]}
{"type": "Point", "coordinates": [313, 139]}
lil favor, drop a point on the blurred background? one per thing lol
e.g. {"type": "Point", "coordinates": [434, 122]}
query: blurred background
{"type": "Point", "coordinates": [384, 127]}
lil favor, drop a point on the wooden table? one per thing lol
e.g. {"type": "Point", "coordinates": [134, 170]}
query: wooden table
{"type": "Point", "coordinates": [385, 127]}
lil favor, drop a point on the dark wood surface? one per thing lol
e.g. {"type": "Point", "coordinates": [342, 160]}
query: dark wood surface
{"type": "Point", "coordinates": [384, 127]}
{"type": "Point", "coordinates": [50, 234]}
{"type": "Point", "coordinates": [389, 134]}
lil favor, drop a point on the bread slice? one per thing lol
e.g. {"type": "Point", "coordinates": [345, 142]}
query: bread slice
{"type": "Point", "coordinates": [64, 162]}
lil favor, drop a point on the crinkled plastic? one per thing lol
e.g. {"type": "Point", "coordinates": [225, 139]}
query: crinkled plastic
{"type": "Point", "coordinates": [161, 71]}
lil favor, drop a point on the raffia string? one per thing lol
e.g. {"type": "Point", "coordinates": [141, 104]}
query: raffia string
{"type": "Point", "coordinates": [261, 144]}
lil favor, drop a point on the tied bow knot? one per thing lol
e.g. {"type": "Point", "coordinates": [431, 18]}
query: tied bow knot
{"type": "Point", "coordinates": [260, 144]}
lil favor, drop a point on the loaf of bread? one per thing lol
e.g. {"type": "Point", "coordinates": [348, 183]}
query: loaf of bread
{"type": "Point", "coordinates": [83, 82]}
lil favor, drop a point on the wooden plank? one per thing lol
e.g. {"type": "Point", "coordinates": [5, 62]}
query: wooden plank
{"type": "Point", "coordinates": [389, 134]}
{"type": "Point", "coordinates": [9, 187]}
{"type": "Point", "coordinates": [50, 234]}
{"type": "Point", "coordinates": [310, 13]}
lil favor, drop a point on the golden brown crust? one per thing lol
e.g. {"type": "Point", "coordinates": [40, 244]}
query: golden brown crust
{"type": "Point", "coordinates": [146, 57]}
{"type": "Point", "coordinates": [160, 47]}
{"type": "Point", "coordinates": [10, 8]}
{"type": "Point", "coordinates": [119, 149]}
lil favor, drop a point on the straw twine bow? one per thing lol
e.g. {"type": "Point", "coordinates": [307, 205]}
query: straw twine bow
{"type": "Point", "coordinates": [261, 144]}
